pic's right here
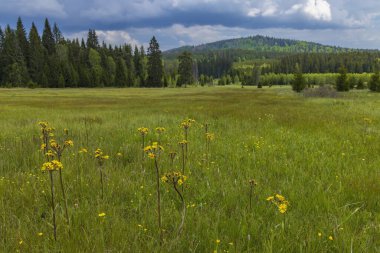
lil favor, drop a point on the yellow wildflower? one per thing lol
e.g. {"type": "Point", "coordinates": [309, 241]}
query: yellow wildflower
{"type": "Point", "coordinates": [331, 238]}
{"type": "Point", "coordinates": [83, 150]}
{"type": "Point", "coordinates": [143, 130]}
{"type": "Point", "coordinates": [280, 197]}
{"type": "Point", "coordinates": [51, 166]}
{"type": "Point", "coordinates": [282, 208]}
{"type": "Point", "coordinates": [160, 130]}
{"type": "Point", "coordinates": [319, 234]}
{"type": "Point", "coordinates": [183, 142]}
{"type": "Point", "coordinates": [210, 136]}
{"type": "Point", "coordinates": [102, 214]}
{"type": "Point", "coordinates": [270, 198]}
{"type": "Point", "coordinates": [69, 143]}
{"type": "Point", "coordinates": [43, 124]}
{"type": "Point", "coordinates": [217, 241]}
{"type": "Point", "coordinates": [40, 234]}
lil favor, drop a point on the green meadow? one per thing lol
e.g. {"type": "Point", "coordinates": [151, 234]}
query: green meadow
{"type": "Point", "coordinates": [321, 154]}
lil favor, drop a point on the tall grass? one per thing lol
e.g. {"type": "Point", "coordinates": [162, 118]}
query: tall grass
{"type": "Point", "coordinates": [321, 153]}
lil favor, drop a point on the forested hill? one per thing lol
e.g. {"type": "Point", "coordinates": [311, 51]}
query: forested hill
{"type": "Point", "coordinates": [260, 43]}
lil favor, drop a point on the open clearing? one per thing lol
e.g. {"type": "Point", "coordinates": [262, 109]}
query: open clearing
{"type": "Point", "coordinates": [321, 154]}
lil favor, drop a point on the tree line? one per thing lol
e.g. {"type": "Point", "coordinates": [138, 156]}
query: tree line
{"type": "Point", "coordinates": [51, 61]}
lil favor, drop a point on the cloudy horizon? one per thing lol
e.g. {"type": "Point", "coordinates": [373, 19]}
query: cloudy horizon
{"type": "Point", "coordinates": [183, 22]}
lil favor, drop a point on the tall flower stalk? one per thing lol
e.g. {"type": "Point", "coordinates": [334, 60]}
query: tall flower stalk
{"type": "Point", "coordinates": [186, 124]}
{"type": "Point", "coordinates": [177, 179]}
{"type": "Point", "coordinates": [101, 158]}
{"type": "Point", "coordinates": [183, 144]}
{"type": "Point", "coordinates": [143, 132]}
{"type": "Point", "coordinates": [252, 184]}
{"type": "Point", "coordinates": [58, 151]}
{"type": "Point", "coordinates": [47, 132]}
{"type": "Point", "coordinates": [153, 151]}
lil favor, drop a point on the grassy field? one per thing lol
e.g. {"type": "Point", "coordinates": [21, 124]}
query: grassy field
{"type": "Point", "coordinates": [321, 154]}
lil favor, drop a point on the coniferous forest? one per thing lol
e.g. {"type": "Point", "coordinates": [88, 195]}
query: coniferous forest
{"type": "Point", "coordinates": [47, 59]}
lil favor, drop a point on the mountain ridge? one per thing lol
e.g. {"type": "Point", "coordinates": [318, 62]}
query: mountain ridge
{"type": "Point", "coordinates": [259, 43]}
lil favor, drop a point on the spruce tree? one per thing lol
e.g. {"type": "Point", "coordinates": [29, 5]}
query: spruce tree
{"type": "Point", "coordinates": [57, 34]}
{"type": "Point", "coordinates": [143, 67]}
{"type": "Point", "coordinates": [22, 40]}
{"type": "Point", "coordinates": [298, 83]}
{"type": "Point", "coordinates": [15, 72]}
{"type": "Point", "coordinates": [2, 38]}
{"type": "Point", "coordinates": [121, 73]}
{"type": "Point", "coordinates": [155, 68]}
{"type": "Point", "coordinates": [342, 81]}
{"type": "Point", "coordinates": [92, 39]}
{"type": "Point", "coordinates": [36, 56]}
{"type": "Point", "coordinates": [128, 58]}
{"type": "Point", "coordinates": [185, 69]}
{"type": "Point", "coordinates": [48, 39]}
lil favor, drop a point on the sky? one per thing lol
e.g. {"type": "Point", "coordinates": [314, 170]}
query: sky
{"type": "Point", "coordinates": [346, 23]}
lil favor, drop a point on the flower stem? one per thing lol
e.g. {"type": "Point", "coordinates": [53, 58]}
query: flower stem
{"type": "Point", "coordinates": [183, 208]}
{"type": "Point", "coordinates": [158, 198]}
{"type": "Point", "coordinates": [53, 204]}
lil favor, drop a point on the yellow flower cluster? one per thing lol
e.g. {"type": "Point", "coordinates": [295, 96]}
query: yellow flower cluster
{"type": "Point", "coordinates": [210, 136]}
{"type": "Point", "coordinates": [100, 155]}
{"type": "Point", "coordinates": [252, 182]}
{"type": "Point", "coordinates": [83, 150]}
{"type": "Point", "coordinates": [187, 123]}
{"type": "Point", "coordinates": [45, 129]}
{"type": "Point", "coordinates": [153, 150]}
{"type": "Point", "coordinates": [69, 143]}
{"type": "Point", "coordinates": [280, 201]}
{"type": "Point", "coordinates": [184, 142]}
{"type": "Point", "coordinates": [143, 130]}
{"type": "Point", "coordinates": [160, 130]}
{"type": "Point", "coordinates": [43, 124]}
{"type": "Point", "coordinates": [52, 166]}
{"type": "Point", "coordinates": [174, 178]}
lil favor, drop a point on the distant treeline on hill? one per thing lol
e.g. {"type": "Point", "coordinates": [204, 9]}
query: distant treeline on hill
{"type": "Point", "coordinates": [53, 61]}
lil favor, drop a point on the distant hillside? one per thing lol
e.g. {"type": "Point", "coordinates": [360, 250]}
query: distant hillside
{"type": "Point", "coordinates": [261, 44]}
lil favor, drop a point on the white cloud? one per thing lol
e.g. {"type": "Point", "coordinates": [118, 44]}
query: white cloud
{"type": "Point", "coordinates": [318, 9]}
{"type": "Point", "coordinates": [110, 37]}
{"type": "Point", "coordinates": [314, 9]}
{"type": "Point", "coordinates": [33, 7]}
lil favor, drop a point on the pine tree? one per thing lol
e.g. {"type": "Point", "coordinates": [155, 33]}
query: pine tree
{"type": "Point", "coordinates": [342, 82]}
{"type": "Point", "coordinates": [48, 39]}
{"type": "Point", "coordinates": [128, 58]}
{"type": "Point", "coordinates": [121, 73]}
{"type": "Point", "coordinates": [22, 40]}
{"type": "Point", "coordinates": [374, 83]}
{"type": "Point", "coordinates": [185, 69]}
{"type": "Point", "coordinates": [298, 83]}
{"type": "Point", "coordinates": [92, 39]}
{"type": "Point", "coordinates": [155, 68]}
{"type": "Point", "coordinates": [36, 56]}
{"type": "Point", "coordinates": [57, 34]}
{"type": "Point", "coordinates": [2, 38]}
{"type": "Point", "coordinates": [15, 72]}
